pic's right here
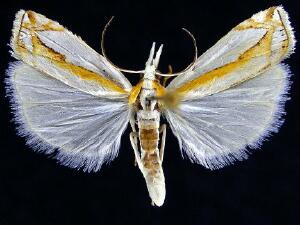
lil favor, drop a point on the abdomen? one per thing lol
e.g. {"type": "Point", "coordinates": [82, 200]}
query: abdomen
{"type": "Point", "coordinates": [151, 167]}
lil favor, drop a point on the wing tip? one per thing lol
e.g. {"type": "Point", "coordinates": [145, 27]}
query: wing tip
{"type": "Point", "coordinates": [279, 14]}
{"type": "Point", "coordinates": [16, 30]}
{"type": "Point", "coordinates": [285, 19]}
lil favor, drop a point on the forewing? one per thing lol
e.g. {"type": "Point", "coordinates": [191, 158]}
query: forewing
{"type": "Point", "coordinates": [246, 51]}
{"type": "Point", "coordinates": [53, 50]}
{"type": "Point", "coordinates": [217, 129]}
{"type": "Point", "coordinates": [82, 130]}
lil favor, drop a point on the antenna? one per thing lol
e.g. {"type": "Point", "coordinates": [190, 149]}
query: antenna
{"type": "Point", "coordinates": [104, 53]}
{"type": "Point", "coordinates": [190, 65]}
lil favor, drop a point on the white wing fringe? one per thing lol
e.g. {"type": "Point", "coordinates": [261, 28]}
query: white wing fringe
{"type": "Point", "coordinates": [83, 131]}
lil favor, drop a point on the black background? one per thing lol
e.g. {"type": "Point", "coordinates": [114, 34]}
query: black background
{"type": "Point", "coordinates": [263, 190]}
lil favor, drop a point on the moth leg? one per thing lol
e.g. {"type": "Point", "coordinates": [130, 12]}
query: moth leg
{"type": "Point", "coordinates": [132, 122]}
{"type": "Point", "coordinates": [163, 130]}
{"type": "Point", "coordinates": [133, 138]}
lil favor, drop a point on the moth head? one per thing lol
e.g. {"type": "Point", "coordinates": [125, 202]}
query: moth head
{"type": "Point", "coordinates": [152, 62]}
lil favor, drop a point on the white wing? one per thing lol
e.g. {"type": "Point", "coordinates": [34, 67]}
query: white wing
{"type": "Point", "coordinates": [234, 96]}
{"type": "Point", "coordinates": [67, 98]}
{"type": "Point", "coordinates": [83, 130]}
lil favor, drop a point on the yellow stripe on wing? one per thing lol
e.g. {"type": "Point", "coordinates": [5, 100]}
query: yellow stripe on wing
{"type": "Point", "coordinates": [91, 76]}
{"type": "Point", "coordinates": [261, 48]}
{"type": "Point", "coordinates": [59, 60]}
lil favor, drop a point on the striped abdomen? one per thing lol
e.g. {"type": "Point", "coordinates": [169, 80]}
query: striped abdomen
{"type": "Point", "coordinates": [149, 138]}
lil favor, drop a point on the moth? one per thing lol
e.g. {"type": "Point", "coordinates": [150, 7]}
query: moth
{"type": "Point", "coordinates": [73, 103]}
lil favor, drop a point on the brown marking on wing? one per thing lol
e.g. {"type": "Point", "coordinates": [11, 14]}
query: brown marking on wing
{"type": "Point", "coordinates": [286, 42]}
{"type": "Point", "coordinates": [20, 46]}
{"type": "Point", "coordinates": [42, 50]}
{"type": "Point", "coordinates": [249, 24]}
{"type": "Point", "coordinates": [253, 24]}
{"type": "Point", "coordinates": [31, 16]}
{"type": "Point", "coordinates": [34, 25]}
{"type": "Point", "coordinates": [49, 26]}
{"type": "Point", "coordinates": [270, 13]}
{"type": "Point", "coordinates": [52, 26]}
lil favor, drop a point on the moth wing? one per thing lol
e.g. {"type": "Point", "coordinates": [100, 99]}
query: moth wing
{"type": "Point", "coordinates": [234, 96]}
{"type": "Point", "coordinates": [217, 129]}
{"type": "Point", "coordinates": [50, 48]}
{"type": "Point", "coordinates": [247, 50]}
{"type": "Point", "coordinates": [80, 129]}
